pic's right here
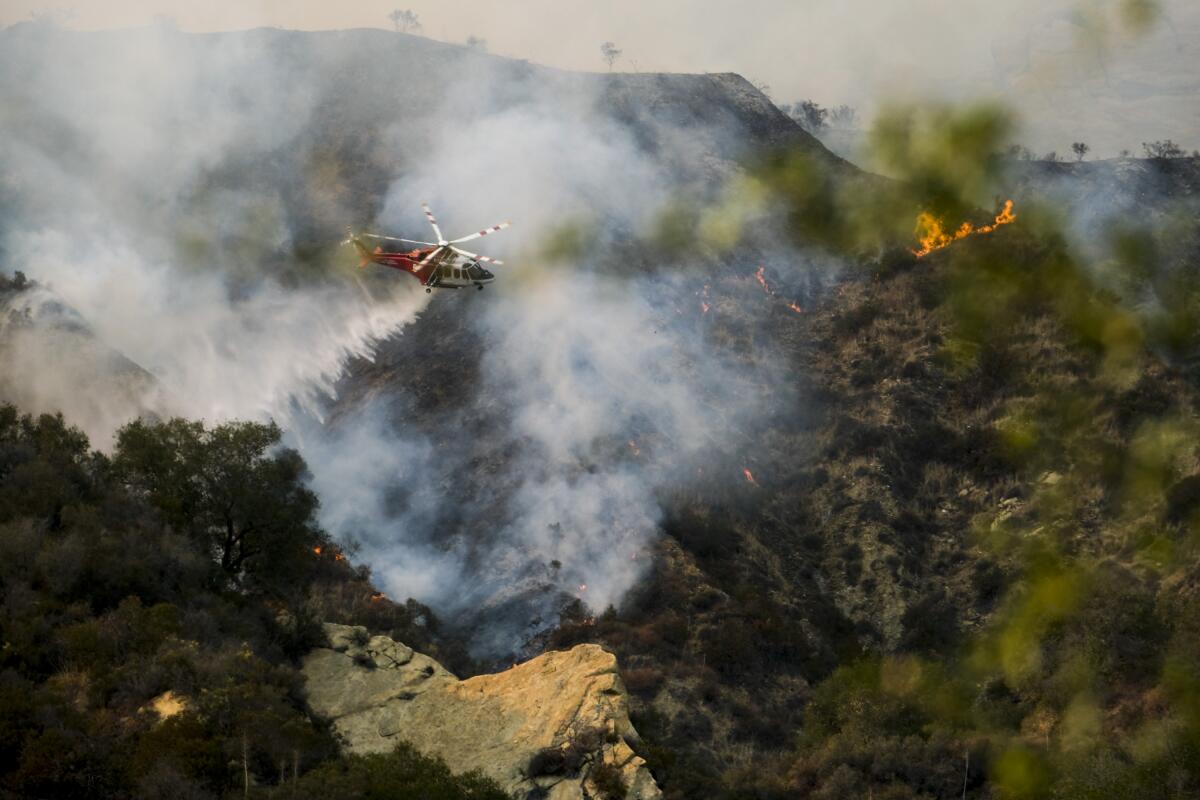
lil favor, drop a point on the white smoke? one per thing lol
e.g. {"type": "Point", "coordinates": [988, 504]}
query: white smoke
{"type": "Point", "coordinates": [594, 390]}
{"type": "Point", "coordinates": [268, 354]}
{"type": "Point", "coordinates": [121, 211]}
{"type": "Point", "coordinates": [602, 388]}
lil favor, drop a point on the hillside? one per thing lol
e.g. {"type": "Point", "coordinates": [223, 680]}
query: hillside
{"type": "Point", "coordinates": [882, 479]}
{"type": "Point", "coordinates": [854, 522]}
{"type": "Point", "coordinates": [321, 123]}
{"type": "Point", "coordinates": [289, 137]}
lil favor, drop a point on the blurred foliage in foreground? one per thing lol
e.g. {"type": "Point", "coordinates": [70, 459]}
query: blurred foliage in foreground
{"type": "Point", "coordinates": [1085, 680]}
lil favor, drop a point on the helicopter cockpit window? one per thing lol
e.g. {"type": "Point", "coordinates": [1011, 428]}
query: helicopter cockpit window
{"type": "Point", "coordinates": [474, 271]}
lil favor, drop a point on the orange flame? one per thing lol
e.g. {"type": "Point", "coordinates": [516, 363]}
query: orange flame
{"type": "Point", "coordinates": [760, 276]}
{"type": "Point", "coordinates": [318, 550]}
{"type": "Point", "coordinates": [762, 281]}
{"type": "Point", "coordinates": [933, 237]}
{"type": "Point", "coordinates": [749, 476]}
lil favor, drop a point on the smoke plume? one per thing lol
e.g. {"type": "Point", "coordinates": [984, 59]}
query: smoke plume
{"type": "Point", "coordinates": [178, 199]}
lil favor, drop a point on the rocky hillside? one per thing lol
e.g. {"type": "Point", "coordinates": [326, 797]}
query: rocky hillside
{"type": "Point", "coordinates": [556, 726]}
{"type": "Point", "coordinates": [254, 152]}
{"type": "Point", "coordinates": [881, 484]}
{"type": "Point", "coordinates": [848, 518]}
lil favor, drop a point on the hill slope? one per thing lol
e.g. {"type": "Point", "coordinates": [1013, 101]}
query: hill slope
{"type": "Point", "coordinates": [844, 515]}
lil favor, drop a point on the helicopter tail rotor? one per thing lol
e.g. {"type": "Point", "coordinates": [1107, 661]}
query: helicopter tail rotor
{"type": "Point", "coordinates": [364, 255]}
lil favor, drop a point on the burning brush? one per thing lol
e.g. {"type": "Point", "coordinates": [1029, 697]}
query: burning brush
{"type": "Point", "coordinates": [760, 276]}
{"type": "Point", "coordinates": [933, 236]}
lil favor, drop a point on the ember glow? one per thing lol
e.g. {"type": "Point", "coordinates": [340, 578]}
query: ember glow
{"type": "Point", "coordinates": [336, 556]}
{"type": "Point", "coordinates": [749, 476]}
{"type": "Point", "coordinates": [932, 236]}
{"type": "Point", "coordinates": [758, 275]}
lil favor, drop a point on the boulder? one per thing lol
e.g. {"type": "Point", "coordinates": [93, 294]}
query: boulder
{"type": "Point", "coordinates": [543, 728]}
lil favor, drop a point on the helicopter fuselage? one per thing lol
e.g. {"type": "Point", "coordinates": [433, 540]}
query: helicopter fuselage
{"type": "Point", "coordinates": [446, 270]}
{"type": "Point", "coordinates": [439, 264]}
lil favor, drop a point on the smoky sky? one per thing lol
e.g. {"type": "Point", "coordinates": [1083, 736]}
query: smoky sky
{"type": "Point", "coordinates": [1072, 69]}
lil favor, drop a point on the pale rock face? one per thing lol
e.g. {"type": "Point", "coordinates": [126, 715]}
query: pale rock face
{"type": "Point", "coordinates": [168, 704]}
{"type": "Point", "coordinates": [378, 692]}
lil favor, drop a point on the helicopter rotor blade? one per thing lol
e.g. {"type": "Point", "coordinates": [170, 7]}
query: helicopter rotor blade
{"type": "Point", "coordinates": [432, 221]}
{"type": "Point", "coordinates": [432, 253]}
{"type": "Point", "coordinates": [484, 232]}
{"type": "Point", "coordinates": [476, 256]}
{"type": "Point", "coordinates": [397, 239]}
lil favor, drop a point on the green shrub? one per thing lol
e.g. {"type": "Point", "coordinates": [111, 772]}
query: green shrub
{"type": "Point", "coordinates": [609, 781]}
{"type": "Point", "coordinates": [402, 773]}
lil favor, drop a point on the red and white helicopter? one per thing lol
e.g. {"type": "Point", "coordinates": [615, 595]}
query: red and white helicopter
{"type": "Point", "coordinates": [437, 265]}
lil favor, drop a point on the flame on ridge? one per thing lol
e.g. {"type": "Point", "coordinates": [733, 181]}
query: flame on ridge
{"type": "Point", "coordinates": [932, 236]}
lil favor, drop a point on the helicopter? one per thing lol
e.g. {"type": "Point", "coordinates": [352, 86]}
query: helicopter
{"type": "Point", "coordinates": [437, 265]}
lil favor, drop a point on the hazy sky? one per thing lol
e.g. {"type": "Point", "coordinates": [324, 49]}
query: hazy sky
{"type": "Point", "coordinates": [1044, 53]}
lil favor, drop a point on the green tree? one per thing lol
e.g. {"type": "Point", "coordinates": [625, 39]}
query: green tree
{"type": "Point", "coordinates": [610, 53]}
{"type": "Point", "coordinates": [810, 115]}
{"type": "Point", "coordinates": [405, 20]}
{"type": "Point", "coordinates": [844, 117]}
{"type": "Point", "coordinates": [1163, 149]}
{"type": "Point", "coordinates": [233, 488]}
{"type": "Point", "coordinates": [45, 466]}
{"type": "Point", "coordinates": [402, 773]}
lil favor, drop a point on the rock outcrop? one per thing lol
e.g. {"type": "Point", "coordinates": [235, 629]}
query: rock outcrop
{"type": "Point", "coordinates": [543, 728]}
